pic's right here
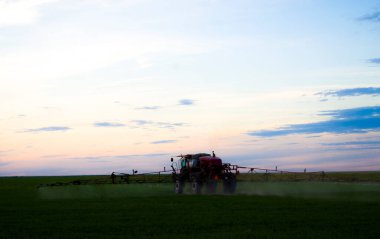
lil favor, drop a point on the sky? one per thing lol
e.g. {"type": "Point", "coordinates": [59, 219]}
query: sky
{"type": "Point", "coordinates": [97, 86]}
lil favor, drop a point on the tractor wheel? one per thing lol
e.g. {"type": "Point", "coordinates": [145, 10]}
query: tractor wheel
{"type": "Point", "coordinates": [196, 186]}
{"type": "Point", "coordinates": [211, 186]}
{"type": "Point", "coordinates": [229, 183]}
{"type": "Point", "coordinates": [178, 187]}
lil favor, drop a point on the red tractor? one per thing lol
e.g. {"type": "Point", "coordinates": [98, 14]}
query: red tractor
{"type": "Point", "coordinates": [203, 170]}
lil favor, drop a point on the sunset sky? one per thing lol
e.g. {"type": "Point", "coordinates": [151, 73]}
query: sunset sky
{"type": "Point", "coordinates": [96, 86]}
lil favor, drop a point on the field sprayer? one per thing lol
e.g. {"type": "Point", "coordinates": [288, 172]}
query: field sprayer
{"type": "Point", "coordinates": [200, 170]}
{"type": "Point", "coordinates": [203, 170]}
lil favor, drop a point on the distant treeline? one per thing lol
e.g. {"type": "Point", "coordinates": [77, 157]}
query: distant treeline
{"type": "Point", "coordinates": [312, 176]}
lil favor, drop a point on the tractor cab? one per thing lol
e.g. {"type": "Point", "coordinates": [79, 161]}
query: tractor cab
{"type": "Point", "coordinates": [192, 161]}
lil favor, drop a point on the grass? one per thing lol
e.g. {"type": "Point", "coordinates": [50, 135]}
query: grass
{"type": "Point", "coordinates": [259, 210]}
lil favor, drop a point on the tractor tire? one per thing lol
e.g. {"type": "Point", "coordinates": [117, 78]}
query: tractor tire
{"type": "Point", "coordinates": [211, 186]}
{"type": "Point", "coordinates": [229, 183]}
{"type": "Point", "coordinates": [178, 188]}
{"type": "Point", "coordinates": [196, 186]}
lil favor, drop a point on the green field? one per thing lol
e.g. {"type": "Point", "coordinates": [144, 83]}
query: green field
{"type": "Point", "coordinates": [272, 209]}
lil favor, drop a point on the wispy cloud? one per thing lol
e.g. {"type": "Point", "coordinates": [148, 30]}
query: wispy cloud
{"type": "Point", "coordinates": [49, 129]}
{"type": "Point", "coordinates": [108, 124]}
{"type": "Point", "coordinates": [164, 125]}
{"type": "Point", "coordinates": [313, 136]}
{"type": "Point", "coordinates": [353, 145]}
{"type": "Point", "coordinates": [186, 102]}
{"type": "Point", "coordinates": [374, 60]}
{"type": "Point", "coordinates": [142, 122]}
{"type": "Point", "coordinates": [351, 92]}
{"type": "Point", "coordinates": [356, 120]}
{"type": "Point", "coordinates": [167, 125]}
{"type": "Point", "coordinates": [345, 148]}
{"type": "Point", "coordinates": [355, 113]}
{"type": "Point", "coordinates": [374, 17]}
{"type": "Point", "coordinates": [149, 108]}
{"type": "Point", "coordinates": [349, 143]}
{"type": "Point", "coordinates": [164, 142]}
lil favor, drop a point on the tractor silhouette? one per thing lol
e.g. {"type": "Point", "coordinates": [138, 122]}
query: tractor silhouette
{"type": "Point", "coordinates": [203, 170]}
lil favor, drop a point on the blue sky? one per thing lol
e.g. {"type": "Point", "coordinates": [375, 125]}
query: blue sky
{"type": "Point", "coordinates": [291, 83]}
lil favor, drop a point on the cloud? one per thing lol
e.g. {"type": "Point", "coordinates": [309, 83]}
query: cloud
{"type": "Point", "coordinates": [164, 125]}
{"type": "Point", "coordinates": [355, 113]}
{"type": "Point", "coordinates": [169, 125]}
{"type": "Point", "coordinates": [49, 129]}
{"type": "Point", "coordinates": [373, 17]}
{"type": "Point", "coordinates": [356, 120]}
{"type": "Point", "coordinates": [108, 124]}
{"type": "Point", "coordinates": [186, 102]}
{"type": "Point", "coordinates": [351, 148]}
{"type": "Point", "coordinates": [20, 12]}
{"type": "Point", "coordinates": [374, 60]}
{"type": "Point", "coordinates": [149, 108]}
{"type": "Point", "coordinates": [353, 145]}
{"type": "Point", "coordinates": [164, 142]}
{"type": "Point", "coordinates": [142, 122]}
{"type": "Point", "coordinates": [313, 136]}
{"type": "Point", "coordinates": [349, 143]}
{"type": "Point", "coordinates": [352, 92]}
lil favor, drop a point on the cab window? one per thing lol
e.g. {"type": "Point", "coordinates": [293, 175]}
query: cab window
{"type": "Point", "coordinates": [183, 163]}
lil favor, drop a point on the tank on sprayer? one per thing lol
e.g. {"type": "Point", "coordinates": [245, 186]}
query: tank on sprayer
{"type": "Point", "coordinates": [203, 170]}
